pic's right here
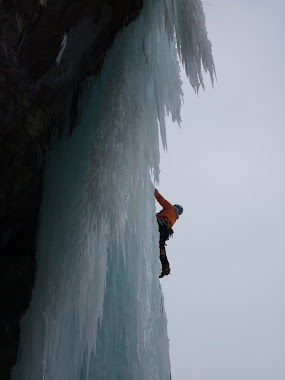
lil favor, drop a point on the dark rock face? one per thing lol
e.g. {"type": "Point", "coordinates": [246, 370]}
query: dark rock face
{"type": "Point", "coordinates": [47, 48]}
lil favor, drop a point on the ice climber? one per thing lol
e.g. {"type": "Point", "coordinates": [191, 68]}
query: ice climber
{"type": "Point", "coordinates": [165, 219]}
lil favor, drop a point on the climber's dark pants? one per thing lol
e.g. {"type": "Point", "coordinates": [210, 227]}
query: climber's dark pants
{"type": "Point", "coordinates": [163, 260]}
{"type": "Point", "coordinates": [164, 233]}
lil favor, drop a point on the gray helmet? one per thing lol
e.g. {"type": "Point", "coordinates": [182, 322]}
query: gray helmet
{"type": "Point", "coordinates": [179, 208]}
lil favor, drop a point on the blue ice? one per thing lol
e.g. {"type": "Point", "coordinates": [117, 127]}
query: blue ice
{"type": "Point", "coordinates": [97, 309]}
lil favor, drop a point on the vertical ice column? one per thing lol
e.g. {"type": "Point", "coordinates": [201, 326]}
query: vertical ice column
{"type": "Point", "coordinates": [67, 303]}
{"type": "Point", "coordinates": [97, 307]}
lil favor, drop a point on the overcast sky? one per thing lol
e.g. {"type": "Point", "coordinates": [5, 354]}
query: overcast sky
{"type": "Point", "coordinates": [225, 297]}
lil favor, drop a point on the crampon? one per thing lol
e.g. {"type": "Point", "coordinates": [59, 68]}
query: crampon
{"type": "Point", "coordinates": [165, 272]}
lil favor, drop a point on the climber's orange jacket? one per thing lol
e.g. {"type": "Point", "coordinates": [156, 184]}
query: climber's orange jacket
{"type": "Point", "coordinates": [168, 210]}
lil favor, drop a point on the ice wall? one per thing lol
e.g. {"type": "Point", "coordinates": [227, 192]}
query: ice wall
{"type": "Point", "coordinates": [97, 307]}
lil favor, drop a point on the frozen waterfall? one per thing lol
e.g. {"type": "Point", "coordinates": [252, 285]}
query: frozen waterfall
{"type": "Point", "coordinates": [97, 306]}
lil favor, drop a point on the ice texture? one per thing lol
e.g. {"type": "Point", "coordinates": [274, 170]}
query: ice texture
{"type": "Point", "coordinates": [194, 47]}
{"type": "Point", "coordinates": [43, 2]}
{"type": "Point", "coordinates": [97, 308]}
{"type": "Point", "coordinates": [62, 48]}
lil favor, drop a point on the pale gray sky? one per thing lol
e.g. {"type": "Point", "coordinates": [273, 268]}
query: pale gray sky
{"type": "Point", "coordinates": [225, 297]}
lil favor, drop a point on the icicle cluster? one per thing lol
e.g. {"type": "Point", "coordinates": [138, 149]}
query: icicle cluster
{"type": "Point", "coordinates": [96, 308]}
